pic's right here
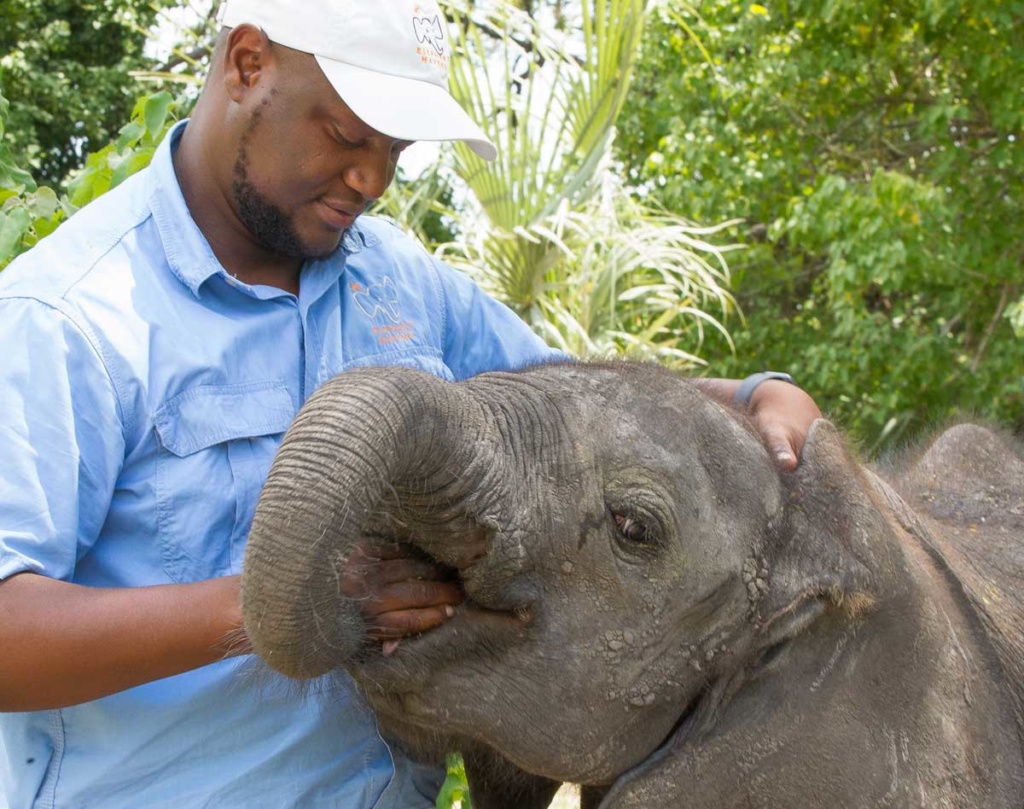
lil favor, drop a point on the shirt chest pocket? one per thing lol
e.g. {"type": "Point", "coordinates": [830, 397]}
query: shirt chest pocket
{"type": "Point", "coordinates": [216, 446]}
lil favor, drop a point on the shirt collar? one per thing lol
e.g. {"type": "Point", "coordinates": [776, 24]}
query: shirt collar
{"type": "Point", "coordinates": [188, 253]}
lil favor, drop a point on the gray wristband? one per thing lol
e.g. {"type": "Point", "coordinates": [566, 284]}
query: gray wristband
{"type": "Point", "coordinates": [742, 396]}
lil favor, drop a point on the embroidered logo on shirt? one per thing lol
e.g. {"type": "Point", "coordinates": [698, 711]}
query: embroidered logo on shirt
{"type": "Point", "coordinates": [380, 301]}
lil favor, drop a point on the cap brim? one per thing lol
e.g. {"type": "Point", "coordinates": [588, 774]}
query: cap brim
{"type": "Point", "coordinates": [405, 108]}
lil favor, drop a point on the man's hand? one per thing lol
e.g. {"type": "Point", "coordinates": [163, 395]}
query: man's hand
{"type": "Point", "coordinates": [784, 414]}
{"type": "Point", "coordinates": [400, 593]}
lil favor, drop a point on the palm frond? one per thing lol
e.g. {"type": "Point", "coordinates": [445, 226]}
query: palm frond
{"type": "Point", "coordinates": [550, 229]}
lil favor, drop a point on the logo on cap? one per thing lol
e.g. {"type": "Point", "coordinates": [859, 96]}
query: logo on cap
{"type": "Point", "coordinates": [429, 31]}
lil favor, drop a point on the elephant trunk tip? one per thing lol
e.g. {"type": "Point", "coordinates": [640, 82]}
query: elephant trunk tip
{"type": "Point", "coordinates": [305, 646]}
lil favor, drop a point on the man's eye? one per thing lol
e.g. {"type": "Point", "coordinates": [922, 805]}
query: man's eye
{"type": "Point", "coordinates": [343, 141]}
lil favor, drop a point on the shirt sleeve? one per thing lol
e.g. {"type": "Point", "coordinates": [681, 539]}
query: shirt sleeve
{"type": "Point", "coordinates": [482, 334]}
{"type": "Point", "coordinates": [61, 441]}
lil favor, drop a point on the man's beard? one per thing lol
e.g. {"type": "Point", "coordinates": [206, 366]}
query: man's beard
{"type": "Point", "coordinates": [270, 226]}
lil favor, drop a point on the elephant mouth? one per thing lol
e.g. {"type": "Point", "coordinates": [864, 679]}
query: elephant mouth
{"type": "Point", "coordinates": [469, 625]}
{"type": "Point", "coordinates": [684, 724]}
{"type": "Point", "coordinates": [486, 613]}
{"type": "Point", "coordinates": [683, 729]}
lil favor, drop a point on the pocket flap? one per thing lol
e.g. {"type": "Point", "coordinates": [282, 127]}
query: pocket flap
{"type": "Point", "coordinates": [206, 415]}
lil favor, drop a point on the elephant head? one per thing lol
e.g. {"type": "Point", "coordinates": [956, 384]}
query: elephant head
{"type": "Point", "coordinates": [658, 607]}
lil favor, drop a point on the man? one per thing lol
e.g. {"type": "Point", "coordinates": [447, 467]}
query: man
{"type": "Point", "coordinates": [156, 348]}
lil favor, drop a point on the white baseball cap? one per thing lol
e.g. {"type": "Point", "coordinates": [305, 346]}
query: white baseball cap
{"type": "Point", "coordinates": [388, 60]}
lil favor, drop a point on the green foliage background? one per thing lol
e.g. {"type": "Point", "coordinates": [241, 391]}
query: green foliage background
{"type": "Point", "coordinates": [28, 211]}
{"type": "Point", "coordinates": [66, 68]}
{"type": "Point", "coordinates": [873, 150]}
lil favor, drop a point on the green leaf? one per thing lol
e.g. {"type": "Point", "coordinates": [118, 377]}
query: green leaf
{"type": "Point", "coordinates": [130, 134]}
{"type": "Point", "coordinates": [44, 227]}
{"type": "Point", "coordinates": [455, 789]}
{"type": "Point", "coordinates": [1015, 314]}
{"type": "Point", "coordinates": [13, 227]}
{"type": "Point", "coordinates": [89, 185]}
{"type": "Point", "coordinates": [155, 114]}
{"type": "Point", "coordinates": [12, 177]}
{"type": "Point", "coordinates": [43, 204]}
{"type": "Point", "coordinates": [130, 165]}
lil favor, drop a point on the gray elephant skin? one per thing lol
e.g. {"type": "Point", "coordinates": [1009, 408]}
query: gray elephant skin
{"type": "Point", "coordinates": [657, 612]}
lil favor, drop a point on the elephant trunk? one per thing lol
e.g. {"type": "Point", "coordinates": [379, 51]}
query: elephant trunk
{"type": "Point", "coordinates": [356, 442]}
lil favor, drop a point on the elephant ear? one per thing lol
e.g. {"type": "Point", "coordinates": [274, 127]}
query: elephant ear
{"type": "Point", "coordinates": [830, 548]}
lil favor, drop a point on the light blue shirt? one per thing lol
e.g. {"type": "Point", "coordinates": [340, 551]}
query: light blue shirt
{"type": "Point", "coordinates": [143, 393]}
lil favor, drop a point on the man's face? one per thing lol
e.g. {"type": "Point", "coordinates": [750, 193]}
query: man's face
{"type": "Point", "coordinates": [306, 165]}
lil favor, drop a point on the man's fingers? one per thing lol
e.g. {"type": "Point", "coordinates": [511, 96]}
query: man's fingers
{"type": "Point", "coordinates": [371, 574]}
{"type": "Point", "coordinates": [784, 458]}
{"type": "Point", "coordinates": [781, 449]}
{"type": "Point", "coordinates": [374, 549]}
{"type": "Point", "coordinates": [402, 569]}
{"type": "Point", "coordinates": [784, 414]}
{"type": "Point", "coordinates": [400, 623]}
{"type": "Point", "coordinates": [376, 564]}
{"type": "Point", "coordinates": [398, 592]}
{"type": "Point", "coordinates": [411, 595]}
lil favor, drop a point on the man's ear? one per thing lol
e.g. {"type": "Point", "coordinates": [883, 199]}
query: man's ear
{"type": "Point", "coordinates": [246, 57]}
{"type": "Point", "coordinates": [833, 542]}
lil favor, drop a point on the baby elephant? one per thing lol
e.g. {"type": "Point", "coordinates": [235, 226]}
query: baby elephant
{"type": "Point", "coordinates": [660, 614]}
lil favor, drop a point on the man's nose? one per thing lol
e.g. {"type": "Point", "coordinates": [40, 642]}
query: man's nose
{"type": "Point", "coordinates": [371, 171]}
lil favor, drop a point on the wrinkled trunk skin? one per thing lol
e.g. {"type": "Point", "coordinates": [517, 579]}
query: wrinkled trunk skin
{"type": "Point", "coordinates": [361, 439]}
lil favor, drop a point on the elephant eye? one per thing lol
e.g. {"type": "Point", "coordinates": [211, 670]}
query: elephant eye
{"type": "Point", "coordinates": [632, 529]}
